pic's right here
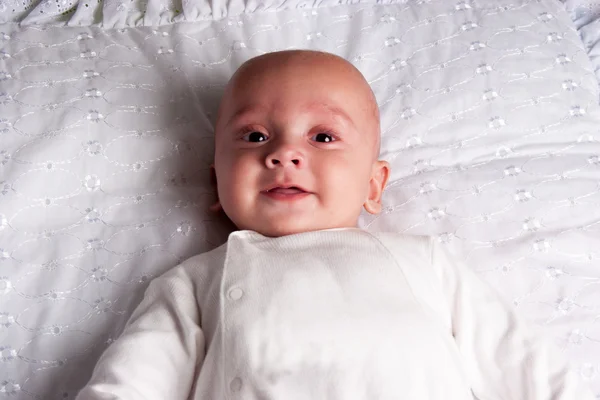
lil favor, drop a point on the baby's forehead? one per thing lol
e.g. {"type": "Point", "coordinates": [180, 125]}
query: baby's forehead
{"type": "Point", "coordinates": [308, 82]}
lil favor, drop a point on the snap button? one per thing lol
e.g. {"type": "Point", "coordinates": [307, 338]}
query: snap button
{"type": "Point", "coordinates": [236, 293]}
{"type": "Point", "coordinates": [235, 385]}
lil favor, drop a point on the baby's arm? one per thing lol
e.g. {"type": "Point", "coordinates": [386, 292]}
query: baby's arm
{"type": "Point", "coordinates": [160, 349]}
{"type": "Point", "coordinates": [505, 360]}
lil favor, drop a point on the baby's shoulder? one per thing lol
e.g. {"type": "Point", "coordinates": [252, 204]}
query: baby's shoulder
{"type": "Point", "coordinates": [414, 255]}
{"type": "Point", "coordinates": [401, 244]}
{"type": "Point", "coordinates": [201, 267]}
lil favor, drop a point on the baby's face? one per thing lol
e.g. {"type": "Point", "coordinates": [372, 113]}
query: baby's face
{"type": "Point", "coordinates": [296, 146]}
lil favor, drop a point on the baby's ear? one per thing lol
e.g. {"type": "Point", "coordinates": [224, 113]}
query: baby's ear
{"type": "Point", "coordinates": [379, 177]}
{"type": "Point", "coordinates": [216, 207]}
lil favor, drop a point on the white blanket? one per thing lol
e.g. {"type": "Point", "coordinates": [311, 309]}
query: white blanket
{"type": "Point", "coordinates": [586, 18]}
{"type": "Point", "coordinates": [490, 120]}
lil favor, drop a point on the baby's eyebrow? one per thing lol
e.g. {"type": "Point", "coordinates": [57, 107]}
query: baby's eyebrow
{"type": "Point", "coordinates": [245, 112]}
{"type": "Point", "coordinates": [334, 111]}
{"type": "Point", "coordinates": [337, 112]}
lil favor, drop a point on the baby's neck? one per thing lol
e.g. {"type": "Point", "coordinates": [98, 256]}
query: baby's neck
{"type": "Point", "coordinates": [300, 232]}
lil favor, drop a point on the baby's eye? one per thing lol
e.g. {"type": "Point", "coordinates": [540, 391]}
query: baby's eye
{"type": "Point", "coordinates": [323, 138]}
{"type": "Point", "coordinates": [255, 137]}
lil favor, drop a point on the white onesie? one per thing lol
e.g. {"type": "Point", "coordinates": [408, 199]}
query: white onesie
{"type": "Point", "coordinates": [334, 314]}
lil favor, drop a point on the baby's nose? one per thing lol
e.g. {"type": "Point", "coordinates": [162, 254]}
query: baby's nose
{"type": "Point", "coordinates": [286, 157]}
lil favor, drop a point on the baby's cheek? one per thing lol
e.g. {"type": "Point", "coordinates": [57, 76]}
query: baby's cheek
{"type": "Point", "coordinates": [239, 171]}
{"type": "Point", "coordinates": [344, 193]}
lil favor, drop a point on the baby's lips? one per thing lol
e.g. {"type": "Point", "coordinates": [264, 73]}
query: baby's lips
{"type": "Point", "coordinates": [291, 190]}
{"type": "Point", "coordinates": [283, 187]}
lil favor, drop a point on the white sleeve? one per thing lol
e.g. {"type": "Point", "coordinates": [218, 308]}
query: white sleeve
{"type": "Point", "coordinates": [504, 358]}
{"type": "Point", "coordinates": [159, 351]}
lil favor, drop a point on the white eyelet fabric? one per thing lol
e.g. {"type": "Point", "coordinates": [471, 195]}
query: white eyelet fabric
{"type": "Point", "coordinates": [490, 121]}
{"type": "Point", "coordinates": [586, 18]}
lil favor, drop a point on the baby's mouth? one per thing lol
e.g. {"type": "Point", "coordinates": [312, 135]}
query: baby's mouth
{"type": "Point", "coordinates": [286, 194]}
{"type": "Point", "coordinates": [290, 191]}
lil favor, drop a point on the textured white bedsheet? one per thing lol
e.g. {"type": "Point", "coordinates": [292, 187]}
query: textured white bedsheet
{"type": "Point", "coordinates": [586, 18]}
{"type": "Point", "coordinates": [490, 121]}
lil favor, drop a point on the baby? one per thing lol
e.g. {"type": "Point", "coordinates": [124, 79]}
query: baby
{"type": "Point", "coordinates": [301, 304]}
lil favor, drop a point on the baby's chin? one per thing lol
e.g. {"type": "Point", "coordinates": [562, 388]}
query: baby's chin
{"type": "Point", "coordinates": [273, 222]}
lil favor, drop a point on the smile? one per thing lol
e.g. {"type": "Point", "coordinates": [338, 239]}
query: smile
{"type": "Point", "coordinates": [286, 193]}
